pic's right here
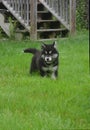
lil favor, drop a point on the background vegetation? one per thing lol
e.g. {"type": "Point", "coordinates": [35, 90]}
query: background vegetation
{"type": "Point", "coordinates": [82, 14]}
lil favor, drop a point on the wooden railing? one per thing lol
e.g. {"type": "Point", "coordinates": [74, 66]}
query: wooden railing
{"type": "Point", "coordinates": [60, 7]}
{"type": "Point", "coordinates": [63, 10]}
{"type": "Point", "coordinates": [21, 8]}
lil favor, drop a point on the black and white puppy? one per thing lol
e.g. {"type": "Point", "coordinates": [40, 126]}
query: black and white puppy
{"type": "Point", "coordinates": [45, 60]}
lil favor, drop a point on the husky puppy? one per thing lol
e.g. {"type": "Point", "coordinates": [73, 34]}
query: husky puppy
{"type": "Point", "coordinates": [45, 60]}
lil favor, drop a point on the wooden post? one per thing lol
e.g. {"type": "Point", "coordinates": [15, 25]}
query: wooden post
{"type": "Point", "coordinates": [72, 16]}
{"type": "Point", "coordinates": [33, 19]}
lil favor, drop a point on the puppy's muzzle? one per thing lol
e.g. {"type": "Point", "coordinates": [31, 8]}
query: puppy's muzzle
{"type": "Point", "coordinates": [48, 59]}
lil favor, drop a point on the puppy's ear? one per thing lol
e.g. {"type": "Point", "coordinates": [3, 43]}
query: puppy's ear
{"type": "Point", "coordinates": [55, 44]}
{"type": "Point", "coordinates": [43, 45]}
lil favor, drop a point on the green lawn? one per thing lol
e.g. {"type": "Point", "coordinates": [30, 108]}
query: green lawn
{"type": "Point", "coordinates": [35, 103]}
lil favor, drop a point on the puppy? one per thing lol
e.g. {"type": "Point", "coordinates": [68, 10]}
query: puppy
{"type": "Point", "coordinates": [45, 60]}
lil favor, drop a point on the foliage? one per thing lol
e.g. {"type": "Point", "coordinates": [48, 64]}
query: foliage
{"type": "Point", "coordinates": [35, 103]}
{"type": "Point", "coordinates": [12, 27]}
{"type": "Point", "coordinates": [82, 14]}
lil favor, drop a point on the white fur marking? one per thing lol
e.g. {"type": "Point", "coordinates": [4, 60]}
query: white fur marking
{"type": "Point", "coordinates": [50, 68]}
{"type": "Point", "coordinates": [55, 55]}
{"type": "Point", "coordinates": [55, 44]}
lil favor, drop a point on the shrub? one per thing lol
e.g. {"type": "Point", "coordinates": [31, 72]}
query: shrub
{"type": "Point", "coordinates": [82, 19]}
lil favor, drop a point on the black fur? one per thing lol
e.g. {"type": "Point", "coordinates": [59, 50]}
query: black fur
{"type": "Point", "coordinates": [45, 60]}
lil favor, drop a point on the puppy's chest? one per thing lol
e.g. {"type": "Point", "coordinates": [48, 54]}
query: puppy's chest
{"type": "Point", "coordinates": [49, 68]}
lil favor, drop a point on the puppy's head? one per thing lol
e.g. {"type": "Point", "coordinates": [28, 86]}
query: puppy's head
{"type": "Point", "coordinates": [49, 52]}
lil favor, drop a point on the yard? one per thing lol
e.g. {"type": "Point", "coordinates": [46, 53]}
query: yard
{"type": "Point", "coordinates": [35, 103]}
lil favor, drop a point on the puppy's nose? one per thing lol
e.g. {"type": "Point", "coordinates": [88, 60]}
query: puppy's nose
{"type": "Point", "coordinates": [47, 59]}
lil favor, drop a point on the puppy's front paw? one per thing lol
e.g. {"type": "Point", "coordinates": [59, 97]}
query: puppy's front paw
{"type": "Point", "coordinates": [53, 76]}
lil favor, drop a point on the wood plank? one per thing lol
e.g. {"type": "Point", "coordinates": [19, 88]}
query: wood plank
{"type": "Point", "coordinates": [28, 12]}
{"type": "Point", "coordinates": [33, 18]}
{"type": "Point", "coordinates": [51, 30]}
{"type": "Point", "coordinates": [67, 11]}
{"type": "Point", "coordinates": [47, 21]}
{"type": "Point", "coordinates": [40, 12]}
{"type": "Point", "coordinates": [48, 39]}
{"type": "Point", "coordinates": [72, 16]}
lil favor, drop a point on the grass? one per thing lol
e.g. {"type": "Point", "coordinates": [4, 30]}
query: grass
{"type": "Point", "coordinates": [35, 103]}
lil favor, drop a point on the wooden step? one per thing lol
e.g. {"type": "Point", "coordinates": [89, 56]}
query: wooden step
{"type": "Point", "coordinates": [51, 30]}
{"type": "Point", "coordinates": [42, 12]}
{"type": "Point", "coordinates": [3, 10]}
{"type": "Point", "coordinates": [38, 12]}
{"type": "Point", "coordinates": [48, 39]}
{"type": "Point", "coordinates": [42, 21]}
{"type": "Point", "coordinates": [21, 31]}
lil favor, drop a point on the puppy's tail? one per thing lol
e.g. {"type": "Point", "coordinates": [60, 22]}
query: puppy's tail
{"type": "Point", "coordinates": [31, 50]}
